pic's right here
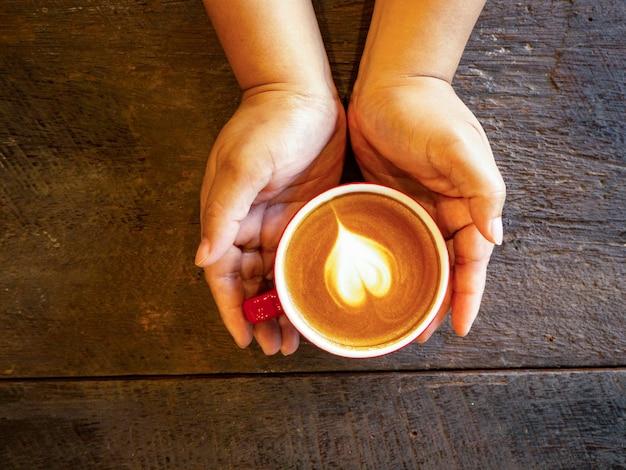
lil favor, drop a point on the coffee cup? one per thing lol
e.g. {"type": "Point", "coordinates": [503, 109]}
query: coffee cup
{"type": "Point", "coordinates": [361, 270]}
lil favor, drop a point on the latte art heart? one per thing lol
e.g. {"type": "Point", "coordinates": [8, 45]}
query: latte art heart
{"type": "Point", "coordinates": [357, 266]}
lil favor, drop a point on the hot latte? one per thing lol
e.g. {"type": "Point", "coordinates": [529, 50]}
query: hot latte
{"type": "Point", "coordinates": [362, 270]}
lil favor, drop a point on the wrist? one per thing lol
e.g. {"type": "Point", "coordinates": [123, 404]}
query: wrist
{"type": "Point", "coordinates": [378, 89]}
{"type": "Point", "coordinates": [416, 39]}
{"type": "Point", "coordinates": [315, 95]}
{"type": "Point", "coordinates": [272, 43]}
{"type": "Point", "coordinates": [315, 86]}
{"type": "Point", "coordinates": [376, 78]}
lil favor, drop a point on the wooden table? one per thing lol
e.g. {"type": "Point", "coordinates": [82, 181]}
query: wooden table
{"type": "Point", "coordinates": [112, 354]}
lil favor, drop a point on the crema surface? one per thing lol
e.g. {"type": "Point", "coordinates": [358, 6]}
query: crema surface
{"type": "Point", "coordinates": [362, 269]}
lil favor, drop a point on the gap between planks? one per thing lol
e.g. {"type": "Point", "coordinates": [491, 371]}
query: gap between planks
{"type": "Point", "coordinates": [321, 374]}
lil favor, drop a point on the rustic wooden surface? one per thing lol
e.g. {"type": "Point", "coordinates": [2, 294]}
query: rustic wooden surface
{"type": "Point", "coordinates": [346, 421]}
{"type": "Point", "coordinates": [111, 351]}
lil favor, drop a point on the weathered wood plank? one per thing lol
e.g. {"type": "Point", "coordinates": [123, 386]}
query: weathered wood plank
{"type": "Point", "coordinates": [493, 420]}
{"type": "Point", "coordinates": [107, 113]}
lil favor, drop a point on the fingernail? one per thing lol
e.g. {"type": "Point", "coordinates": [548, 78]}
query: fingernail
{"type": "Point", "coordinates": [202, 254]}
{"type": "Point", "coordinates": [243, 340]}
{"type": "Point", "coordinates": [497, 230]}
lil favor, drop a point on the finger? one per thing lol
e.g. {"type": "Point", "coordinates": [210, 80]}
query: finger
{"type": "Point", "coordinates": [441, 316]}
{"type": "Point", "coordinates": [252, 273]}
{"type": "Point", "coordinates": [486, 212]}
{"type": "Point", "coordinates": [249, 234]}
{"type": "Point", "coordinates": [275, 219]}
{"type": "Point", "coordinates": [290, 336]}
{"type": "Point", "coordinates": [474, 172]}
{"type": "Point", "coordinates": [471, 257]}
{"type": "Point", "coordinates": [233, 190]}
{"type": "Point", "coordinates": [224, 279]}
{"type": "Point", "coordinates": [268, 335]}
{"type": "Point", "coordinates": [277, 335]}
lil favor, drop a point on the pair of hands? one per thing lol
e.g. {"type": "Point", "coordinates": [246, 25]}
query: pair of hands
{"type": "Point", "coordinates": [282, 147]}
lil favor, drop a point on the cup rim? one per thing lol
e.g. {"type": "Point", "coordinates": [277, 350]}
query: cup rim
{"type": "Point", "coordinates": [320, 340]}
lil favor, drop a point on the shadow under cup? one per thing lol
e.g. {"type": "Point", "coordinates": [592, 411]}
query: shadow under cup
{"type": "Point", "coordinates": [360, 271]}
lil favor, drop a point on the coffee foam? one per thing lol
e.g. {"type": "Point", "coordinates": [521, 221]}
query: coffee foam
{"type": "Point", "coordinates": [395, 274]}
{"type": "Point", "coordinates": [356, 267]}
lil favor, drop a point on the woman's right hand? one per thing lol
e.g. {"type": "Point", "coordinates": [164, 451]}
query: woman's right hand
{"type": "Point", "coordinates": [280, 149]}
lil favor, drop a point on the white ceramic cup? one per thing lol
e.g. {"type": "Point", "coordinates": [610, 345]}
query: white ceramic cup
{"type": "Point", "coordinates": [279, 301]}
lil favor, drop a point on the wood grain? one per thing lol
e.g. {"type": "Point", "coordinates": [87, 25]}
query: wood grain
{"type": "Point", "coordinates": [108, 111]}
{"type": "Point", "coordinates": [510, 420]}
{"type": "Point", "coordinates": [112, 354]}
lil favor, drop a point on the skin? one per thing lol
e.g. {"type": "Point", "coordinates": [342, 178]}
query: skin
{"type": "Point", "coordinates": [286, 143]}
{"type": "Point", "coordinates": [409, 130]}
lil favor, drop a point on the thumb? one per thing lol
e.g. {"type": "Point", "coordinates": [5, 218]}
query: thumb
{"type": "Point", "coordinates": [486, 213]}
{"type": "Point", "coordinates": [224, 205]}
{"type": "Point", "coordinates": [478, 179]}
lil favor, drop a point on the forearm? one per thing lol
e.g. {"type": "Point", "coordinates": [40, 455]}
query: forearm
{"type": "Point", "coordinates": [417, 38]}
{"type": "Point", "coordinates": [272, 42]}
